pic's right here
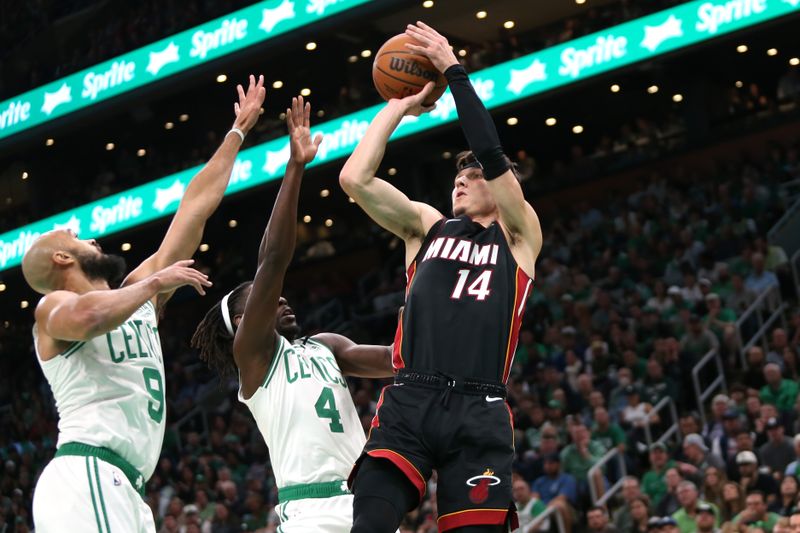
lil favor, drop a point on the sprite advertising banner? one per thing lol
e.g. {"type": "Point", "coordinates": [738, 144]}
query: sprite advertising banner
{"type": "Point", "coordinates": [501, 84]}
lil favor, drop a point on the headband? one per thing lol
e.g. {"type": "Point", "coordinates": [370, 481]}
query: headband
{"type": "Point", "coordinates": [226, 313]}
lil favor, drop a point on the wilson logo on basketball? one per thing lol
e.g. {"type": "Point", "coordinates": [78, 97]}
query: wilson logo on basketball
{"type": "Point", "coordinates": [480, 486]}
{"type": "Point", "coordinates": [412, 68]}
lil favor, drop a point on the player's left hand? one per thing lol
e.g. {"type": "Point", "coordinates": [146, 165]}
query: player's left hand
{"type": "Point", "coordinates": [248, 108]}
{"type": "Point", "coordinates": [433, 45]}
{"type": "Point", "coordinates": [298, 122]}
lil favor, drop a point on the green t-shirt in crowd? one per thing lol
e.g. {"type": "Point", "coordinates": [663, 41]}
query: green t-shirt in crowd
{"type": "Point", "coordinates": [688, 524]}
{"type": "Point", "coordinates": [767, 524]}
{"type": "Point", "coordinates": [783, 398]}
{"type": "Point", "coordinates": [653, 483]}
{"type": "Point", "coordinates": [578, 466]}
{"type": "Point", "coordinates": [611, 437]}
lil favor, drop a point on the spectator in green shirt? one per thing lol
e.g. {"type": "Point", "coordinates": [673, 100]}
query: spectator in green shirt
{"type": "Point", "coordinates": [528, 505]}
{"type": "Point", "coordinates": [686, 516]}
{"type": "Point", "coordinates": [653, 483]}
{"type": "Point", "coordinates": [580, 456]}
{"type": "Point", "coordinates": [782, 393]}
{"type": "Point", "coordinates": [720, 320]}
{"type": "Point", "coordinates": [706, 519]}
{"type": "Point", "coordinates": [755, 513]}
{"type": "Point", "coordinates": [606, 432]}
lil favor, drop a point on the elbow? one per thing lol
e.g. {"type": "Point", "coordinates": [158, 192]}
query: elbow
{"type": "Point", "coordinates": [350, 182]}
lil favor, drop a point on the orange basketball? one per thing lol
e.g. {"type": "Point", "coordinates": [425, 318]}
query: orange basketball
{"type": "Point", "coordinates": [398, 72]}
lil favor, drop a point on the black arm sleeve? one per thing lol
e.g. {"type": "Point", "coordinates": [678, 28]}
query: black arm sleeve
{"type": "Point", "coordinates": [477, 124]}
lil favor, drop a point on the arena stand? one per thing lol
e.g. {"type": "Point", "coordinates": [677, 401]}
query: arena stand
{"type": "Point", "coordinates": [645, 379]}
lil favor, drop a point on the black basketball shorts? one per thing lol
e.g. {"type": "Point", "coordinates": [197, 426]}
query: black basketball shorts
{"type": "Point", "coordinates": [469, 442]}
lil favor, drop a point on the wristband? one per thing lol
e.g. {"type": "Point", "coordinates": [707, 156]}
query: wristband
{"type": "Point", "coordinates": [238, 132]}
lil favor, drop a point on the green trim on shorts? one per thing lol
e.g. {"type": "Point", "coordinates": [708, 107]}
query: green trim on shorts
{"type": "Point", "coordinates": [326, 489]}
{"type": "Point", "coordinates": [91, 491]}
{"type": "Point", "coordinates": [100, 493]}
{"type": "Point", "coordinates": [109, 456]}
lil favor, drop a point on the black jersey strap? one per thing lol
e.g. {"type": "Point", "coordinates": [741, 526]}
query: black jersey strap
{"type": "Point", "coordinates": [477, 124]}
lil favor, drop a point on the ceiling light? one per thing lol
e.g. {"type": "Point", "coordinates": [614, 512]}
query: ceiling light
{"type": "Point", "coordinates": [615, 88]}
{"type": "Point", "coordinates": [2, 287]}
{"type": "Point", "coordinates": [481, 14]}
{"type": "Point", "coordinates": [282, 116]}
{"type": "Point", "coordinates": [311, 45]}
{"type": "Point", "coordinates": [577, 129]}
{"type": "Point", "coordinates": [772, 52]}
{"type": "Point", "coordinates": [677, 98]}
{"type": "Point", "coordinates": [328, 223]}
{"type": "Point", "coordinates": [350, 199]}
{"type": "Point", "coordinates": [653, 89]}
{"type": "Point", "coordinates": [742, 48]}
{"type": "Point", "coordinates": [324, 193]}
{"type": "Point", "coordinates": [352, 59]}
{"type": "Point", "coordinates": [204, 247]}
{"type": "Point", "coordinates": [508, 24]}
{"type": "Point", "coordinates": [141, 152]}
{"type": "Point", "coordinates": [232, 223]}
{"type": "Point", "coordinates": [307, 219]}
{"type": "Point", "coordinates": [580, 2]}
{"type": "Point", "coordinates": [462, 53]}
{"type": "Point", "coordinates": [427, 3]}
{"type": "Point", "coordinates": [366, 53]}
{"type": "Point", "coordinates": [109, 147]}
{"type": "Point", "coordinates": [512, 121]}
{"type": "Point", "coordinates": [125, 246]}
{"type": "Point", "coordinates": [222, 78]}
{"type": "Point", "coordinates": [794, 61]}
{"type": "Point", "coordinates": [320, 113]}
{"type": "Point", "coordinates": [392, 171]}
{"type": "Point", "coordinates": [550, 121]}
{"type": "Point", "coordinates": [184, 117]}
{"type": "Point", "coordinates": [24, 175]}
{"type": "Point", "coordinates": [169, 125]}
{"type": "Point", "coordinates": [447, 155]}
{"type": "Point", "coordinates": [305, 92]}
{"type": "Point", "coordinates": [23, 304]}
{"type": "Point", "coordinates": [277, 84]}
{"type": "Point", "coordinates": [739, 84]}
{"type": "Point", "coordinates": [49, 142]}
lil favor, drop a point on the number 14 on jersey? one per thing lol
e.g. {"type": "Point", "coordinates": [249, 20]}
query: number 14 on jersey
{"type": "Point", "coordinates": [479, 287]}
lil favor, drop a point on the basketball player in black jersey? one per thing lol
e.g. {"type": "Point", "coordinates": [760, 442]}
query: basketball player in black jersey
{"type": "Point", "coordinates": [468, 280]}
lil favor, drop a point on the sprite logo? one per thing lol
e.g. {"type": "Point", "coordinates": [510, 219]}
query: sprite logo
{"type": "Point", "coordinates": [713, 16]}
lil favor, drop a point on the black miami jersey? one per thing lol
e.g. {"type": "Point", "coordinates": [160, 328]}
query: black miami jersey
{"type": "Point", "coordinates": [465, 297]}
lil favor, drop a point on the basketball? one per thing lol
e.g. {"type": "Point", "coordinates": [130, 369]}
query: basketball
{"type": "Point", "coordinates": [398, 72]}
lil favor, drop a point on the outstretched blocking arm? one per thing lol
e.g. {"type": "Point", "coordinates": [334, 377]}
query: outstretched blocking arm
{"type": "Point", "coordinates": [382, 201]}
{"type": "Point", "coordinates": [205, 191]}
{"type": "Point", "coordinates": [359, 360]}
{"type": "Point", "coordinates": [254, 343]}
{"type": "Point", "coordinates": [64, 316]}
{"type": "Point", "coordinates": [516, 214]}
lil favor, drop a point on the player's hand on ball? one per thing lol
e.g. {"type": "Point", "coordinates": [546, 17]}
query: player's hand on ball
{"type": "Point", "coordinates": [179, 274]}
{"type": "Point", "coordinates": [248, 108]}
{"type": "Point", "coordinates": [413, 105]}
{"type": "Point", "coordinates": [302, 147]}
{"type": "Point", "coordinates": [432, 45]}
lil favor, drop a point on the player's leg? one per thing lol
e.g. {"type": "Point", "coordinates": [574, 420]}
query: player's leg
{"type": "Point", "coordinates": [382, 497]}
{"type": "Point", "coordinates": [474, 475]}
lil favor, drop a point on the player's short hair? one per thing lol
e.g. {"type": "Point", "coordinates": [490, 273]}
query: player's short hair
{"type": "Point", "coordinates": [212, 337]}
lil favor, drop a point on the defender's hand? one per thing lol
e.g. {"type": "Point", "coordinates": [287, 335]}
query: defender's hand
{"type": "Point", "coordinates": [298, 122]}
{"type": "Point", "coordinates": [432, 45]}
{"type": "Point", "coordinates": [248, 108]}
{"type": "Point", "coordinates": [180, 274]}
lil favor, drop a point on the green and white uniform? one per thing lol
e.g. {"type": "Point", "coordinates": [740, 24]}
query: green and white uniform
{"type": "Point", "coordinates": [314, 435]}
{"type": "Point", "coordinates": [109, 392]}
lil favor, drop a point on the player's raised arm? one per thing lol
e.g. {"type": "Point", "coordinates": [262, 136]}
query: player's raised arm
{"type": "Point", "coordinates": [359, 360]}
{"type": "Point", "coordinates": [382, 201]}
{"type": "Point", "coordinates": [254, 343]}
{"type": "Point", "coordinates": [516, 214]}
{"type": "Point", "coordinates": [205, 191]}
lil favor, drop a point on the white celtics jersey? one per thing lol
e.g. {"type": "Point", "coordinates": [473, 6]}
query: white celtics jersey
{"type": "Point", "coordinates": [109, 391]}
{"type": "Point", "coordinates": [306, 415]}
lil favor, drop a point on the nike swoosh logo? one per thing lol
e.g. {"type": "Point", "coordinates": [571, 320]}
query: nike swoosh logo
{"type": "Point", "coordinates": [493, 398]}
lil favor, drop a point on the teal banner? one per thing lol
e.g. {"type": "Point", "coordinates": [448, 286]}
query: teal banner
{"type": "Point", "coordinates": [548, 69]}
{"type": "Point", "coordinates": [164, 58]}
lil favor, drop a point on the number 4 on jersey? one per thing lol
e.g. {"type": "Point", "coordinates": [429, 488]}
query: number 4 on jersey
{"type": "Point", "coordinates": [326, 408]}
{"type": "Point", "coordinates": [478, 288]}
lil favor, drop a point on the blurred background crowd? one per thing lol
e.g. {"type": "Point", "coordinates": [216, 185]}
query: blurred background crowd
{"type": "Point", "coordinates": [659, 275]}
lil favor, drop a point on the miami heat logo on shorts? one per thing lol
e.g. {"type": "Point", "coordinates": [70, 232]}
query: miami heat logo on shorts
{"type": "Point", "coordinates": [480, 486]}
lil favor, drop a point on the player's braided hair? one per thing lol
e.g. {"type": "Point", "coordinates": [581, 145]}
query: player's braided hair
{"type": "Point", "coordinates": [212, 337]}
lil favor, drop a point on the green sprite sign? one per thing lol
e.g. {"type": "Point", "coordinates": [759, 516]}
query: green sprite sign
{"type": "Point", "coordinates": [164, 58]}
{"type": "Point", "coordinates": [548, 69]}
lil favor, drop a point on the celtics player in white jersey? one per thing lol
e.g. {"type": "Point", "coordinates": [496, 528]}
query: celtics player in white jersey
{"type": "Point", "coordinates": [295, 389]}
{"type": "Point", "coordinates": [100, 352]}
